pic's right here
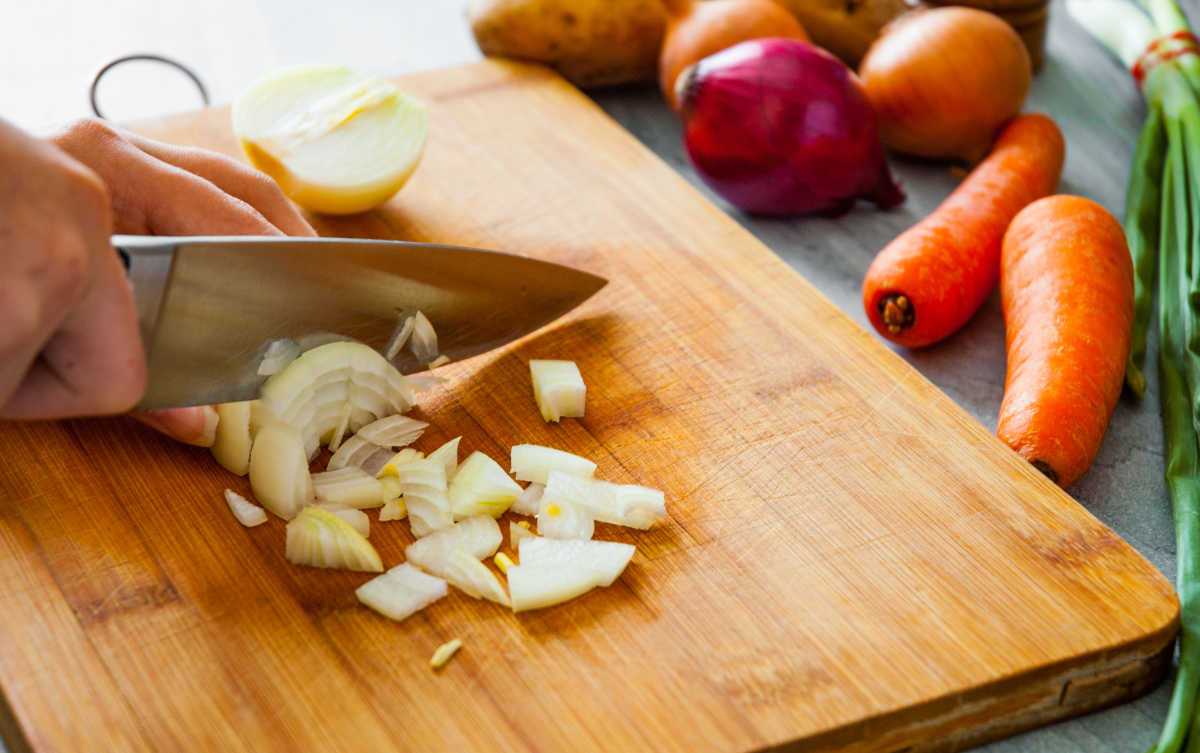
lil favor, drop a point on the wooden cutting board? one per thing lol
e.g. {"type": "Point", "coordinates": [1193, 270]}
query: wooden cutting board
{"type": "Point", "coordinates": [851, 562]}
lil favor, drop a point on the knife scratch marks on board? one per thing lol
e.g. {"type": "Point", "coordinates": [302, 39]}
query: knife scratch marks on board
{"type": "Point", "coordinates": [124, 600]}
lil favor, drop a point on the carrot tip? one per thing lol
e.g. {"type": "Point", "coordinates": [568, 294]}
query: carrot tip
{"type": "Point", "coordinates": [1046, 470]}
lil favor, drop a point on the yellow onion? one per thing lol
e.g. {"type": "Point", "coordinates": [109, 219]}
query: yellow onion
{"type": "Point", "coordinates": [943, 81]}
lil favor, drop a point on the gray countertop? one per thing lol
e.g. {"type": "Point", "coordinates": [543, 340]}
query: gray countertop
{"type": "Point", "coordinates": [51, 49]}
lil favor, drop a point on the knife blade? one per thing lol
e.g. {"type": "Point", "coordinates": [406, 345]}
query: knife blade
{"type": "Point", "coordinates": [210, 306]}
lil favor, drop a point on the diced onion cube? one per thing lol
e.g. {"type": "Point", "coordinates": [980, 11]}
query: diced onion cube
{"type": "Point", "coordinates": [348, 487]}
{"type": "Point", "coordinates": [530, 500]}
{"type": "Point", "coordinates": [479, 536]}
{"type": "Point", "coordinates": [558, 389]}
{"type": "Point", "coordinates": [444, 653]}
{"type": "Point", "coordinates": [401, 591]}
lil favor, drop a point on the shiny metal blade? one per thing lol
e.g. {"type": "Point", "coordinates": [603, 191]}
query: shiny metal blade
{"type": "Point", "coordinates": [210, 307]}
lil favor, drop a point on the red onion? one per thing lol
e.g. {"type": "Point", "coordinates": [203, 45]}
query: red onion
{"type": "Point", "coordinates": [778, 126]}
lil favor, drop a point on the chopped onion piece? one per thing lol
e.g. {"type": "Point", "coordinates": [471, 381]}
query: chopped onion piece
{"type": "Point", "coordinates": [558, 389]}
{"type": "Point", "coordinates": [517, 534]}
{"type": "Point", "coordinates": [424, 484]}
{"type": "Point", "coordinates": [563, 518]}
{"type": "Point", "coordinates": [474, 579]}
{"type": "Point", "coordinates": [231, 446]}
{"type": "Point", "coordinates": [478, 536]}
{"type": "Point", "coordinates": [318, 538]}
{"type": "Point", "coordinates": [280, 353]}
{"type": "Point", "coordinates": [351, 453]}
{"type": "Point", "coordinates": [401, 591]}
{"type": "Point", "coordinates": [279, 470]}
{"type": "Point", "coordinates": [538, 586]}
{"type": "Point", "coordinates": [441, 360]}
{"type": "Point", "coordinates": [481, 486]}
{"type": "Point", "coordinates": [448, 455]}
{"type": "Point", "coordinates": [393, 509]}
{"type": "Point", "coordinates": [357, 519]}
{"type": "Point", "coordinates": [374, 462]}
{"type": "Point", "coordinates": [607, 558]}
{"type": "Point", "coordinates": [399, 460]}
{"type": "Point", "coordinates": [393, 431]}
{"type": "Point", "coordinates": [246, 512]}
{"type": "Point", "coordinates": [530, 500]}
{"type": "Point", "coordinates": [348, 487]}
{"type": "Point", "coordinates": [399, 338]}
{"type": "Point", "coordinates": [531, 462]}
{"type": "Point", "coordinates": [423, 344]}
{"type": "Point", "coordinates": [444, 652]}
{"type": "Point", "coordinates": [621, 504]}
{"type": "Point", "coordinates": [336, 440]}
{"type": "Point", "coordinates": [391, 487]}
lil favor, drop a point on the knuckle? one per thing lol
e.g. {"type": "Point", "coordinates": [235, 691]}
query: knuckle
{"type": "Point", "coordinates": [86, 130]}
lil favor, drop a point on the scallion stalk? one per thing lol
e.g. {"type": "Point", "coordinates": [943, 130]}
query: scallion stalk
{"type": "Point", "coordinates": [1171, 135]}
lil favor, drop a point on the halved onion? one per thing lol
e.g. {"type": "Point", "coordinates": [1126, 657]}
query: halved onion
{"type": "Point", "coordinates": [335, 141]}
{"type": "Point", "coordinates": [481, 486]}
{"type": "Point", "coordinates": [531, 462]}
{"type": "Point", "coordinates": [318, 538]}
{"type": "Point", "coordinates": [401, 591]}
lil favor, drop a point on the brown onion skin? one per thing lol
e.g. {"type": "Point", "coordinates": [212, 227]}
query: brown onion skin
{"type": "Point", "coordinates": [696, 30]}
{"type": "Point", "coordinates": [943, 81]}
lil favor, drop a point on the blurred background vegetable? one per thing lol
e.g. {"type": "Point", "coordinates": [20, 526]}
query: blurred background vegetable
{"type": "Point", "coordinates": [590, 42]}
{"type": "Point", "coordinates": [943, 81]}
{"type": "Point", "coordinates": [844, 28]}
{"type": "Point", "coordinates": [778, 126]}
{"type": "Point", "coordinates": [1164, 58]}
{"type": "Point", "coordinates": [698, 29]}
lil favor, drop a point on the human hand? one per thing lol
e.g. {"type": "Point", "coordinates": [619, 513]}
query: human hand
{"type": "Point", "coordinates": [71, 345]}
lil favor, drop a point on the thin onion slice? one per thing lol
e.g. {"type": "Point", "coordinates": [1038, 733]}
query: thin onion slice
{"type": "Point", "coordinates": [279, 470]}
{"type": "Point", "coordinates": [441, 360]}
{"type": "Point", "coordinates": [423, 343]}
{"type": "Point", "coordinates": [401, 591]}
{"type": "Point", "coordinates": [231, 446]}
{"type": "Point", "coordinates": [392, 431]}
{"type": "Point", "coordinates": [246, 512]}
{"type": "Point", "coordinates": [473, 578]}
{"type": "Point", "coordinates": [352, 453]}
{"type": "Point", "coordinates": [403, 330]}
{"type": "Point", "coordinates": [348, 487]}
{"type": "Point", "coordinates": [336, 440]}
{"type": "Point", "coordinates": [531, 462]}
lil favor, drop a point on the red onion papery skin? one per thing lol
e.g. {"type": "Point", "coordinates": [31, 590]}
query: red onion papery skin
{"type": "Point", "coordinates": [778, 126]}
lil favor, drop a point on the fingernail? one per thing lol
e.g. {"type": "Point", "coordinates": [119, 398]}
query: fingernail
{"type": "Point", "coordinates": [208, 434]}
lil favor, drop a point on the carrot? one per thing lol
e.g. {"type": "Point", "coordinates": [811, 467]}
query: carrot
{"type": "Point", "coordinates": [928, 282]}
{"type": "Point", "coordinates": [1066, 286]}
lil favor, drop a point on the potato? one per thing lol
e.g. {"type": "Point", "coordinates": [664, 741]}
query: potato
{"type": "Point", "coordinates": [590, 42]}
{"type": "Point", "coordinates": [846, 27]}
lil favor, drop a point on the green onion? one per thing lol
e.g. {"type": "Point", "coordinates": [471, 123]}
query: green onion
{"type": "Point", "coordinates": [1162, 210]}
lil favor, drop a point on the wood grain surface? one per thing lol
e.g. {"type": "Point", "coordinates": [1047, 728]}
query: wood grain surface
{"type": "Point", "coordinates": [852, 562]}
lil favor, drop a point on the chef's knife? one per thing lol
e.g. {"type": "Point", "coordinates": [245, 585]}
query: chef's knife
{"type": "Point", "coordinates": [209, 307]}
